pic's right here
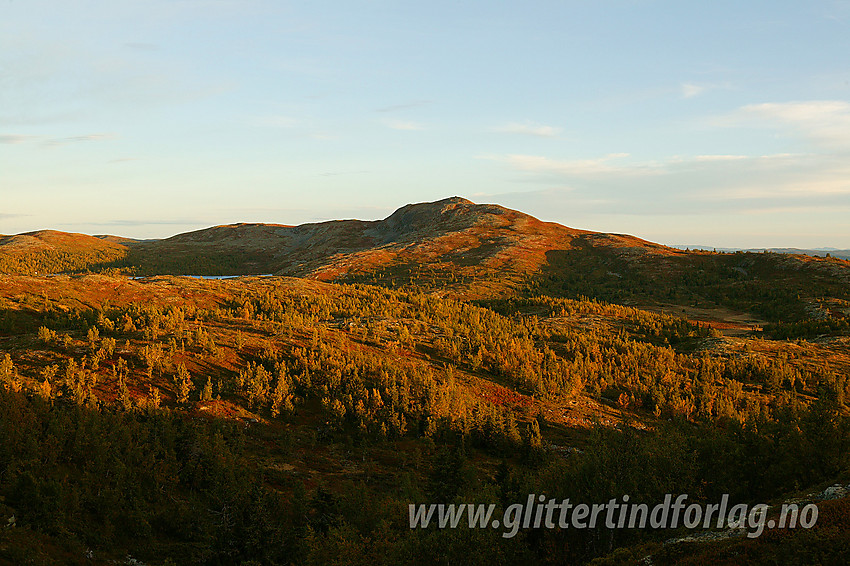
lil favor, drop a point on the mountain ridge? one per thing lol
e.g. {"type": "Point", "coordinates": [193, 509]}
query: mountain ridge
{"type": "Point", "coordinates": [453, 245]}
{"type": "Point", "coordinates": [407, 224]}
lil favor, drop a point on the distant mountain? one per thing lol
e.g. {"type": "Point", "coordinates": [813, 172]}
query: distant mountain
{"type": "Point", "coordinates": [454, 234]}
{"type": "Point", "coordinates": [816, 252]}
{"type": "Point", "coordinates": [454, 245]}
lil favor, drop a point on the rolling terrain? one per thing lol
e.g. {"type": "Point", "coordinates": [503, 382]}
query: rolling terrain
{"type": "Point", "coordinates": [469, 250]}
{"type": "Point", "coordinates": [451, 352]}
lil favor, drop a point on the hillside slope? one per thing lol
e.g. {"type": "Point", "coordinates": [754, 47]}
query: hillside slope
{"type": "Point", "coordinates": [473, 251]}
{"type": "Point", "coordinates": [50, 251]}
{"type": "Point", "coordinates": [482, 251]}
{"type": "Point", "coordinates": [451, 231]}
{"type": "Point", "coordinates": [293, 419]}
{"type": "Point", "coordinates": [171, 420]}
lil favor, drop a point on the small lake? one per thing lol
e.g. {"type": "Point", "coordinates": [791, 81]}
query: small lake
{"type": "Point", "coordinates": [206, 276]}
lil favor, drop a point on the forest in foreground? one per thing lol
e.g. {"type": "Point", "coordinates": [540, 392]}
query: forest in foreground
{"type": "Point", "coordinates": [274, 420]}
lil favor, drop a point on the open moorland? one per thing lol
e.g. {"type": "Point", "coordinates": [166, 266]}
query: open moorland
{"type": "Point", "coordinates": [452, 352]}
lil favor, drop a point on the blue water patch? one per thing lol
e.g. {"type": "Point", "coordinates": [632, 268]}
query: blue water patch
{"type": "Point", "coordinates": [205, 276]}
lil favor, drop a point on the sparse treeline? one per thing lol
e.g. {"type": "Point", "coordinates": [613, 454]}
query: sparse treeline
{"type": "Point", "coordinates": [810, 328]}
{"type": "Point", "coordinates": [103, 445]}
{"type": "Point", "coordinates": [774, 286]}
{"type": "Point", "coordinates": [135, 258]}
{"type": "Point", "coordinates": [41, 262]}
{"type": "Point", "coordinates": [633, 365]}
{"type": "Point", "coordinates": [358, 346]}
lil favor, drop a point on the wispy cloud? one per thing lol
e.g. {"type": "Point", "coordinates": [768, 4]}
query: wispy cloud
{"type": "Point", "coordinates": [14, 138]}
{"type": "Point", "coordinates": [690, 90]}
{"type": "Point", "coordinates": [824, 122]}
{"type": "Point", "coordinates": [693, 90]}
{"type": "Point", "coordinates": [140, 222]}
{"type": "Point", "coordinates": [699, 184]}
{"type": "Point", "coordinates": [720, 157]}
{"type": "Point", "coordinates": [578, 168]}
{"type": "Point", "coordinates": [314, 213]}
{"type": "Point", "coordinates": [55, 142]}
{"type": "Point", "coordinates": [529, 129]}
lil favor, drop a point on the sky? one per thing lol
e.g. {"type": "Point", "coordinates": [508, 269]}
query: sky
{"type": "Point", "coordinates": [705, 123]}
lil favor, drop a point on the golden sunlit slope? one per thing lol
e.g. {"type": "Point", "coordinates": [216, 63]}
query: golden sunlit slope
{"type": "Point", "coordinates": [454, 231]}
{"type": "Point", "coordinates": [454, 235]}
{"type": "Point", "coordinates": [50, 251]}
{"type": "Point", "coordinates": [473, 251]}
{"type": "Point", "coordinates": [274, 399]}
{"type": "Point", "coordinates": [448, 241]}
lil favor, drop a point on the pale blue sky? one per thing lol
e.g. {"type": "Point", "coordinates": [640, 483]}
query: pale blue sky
{"type": "Point", "coordinates": [720, 123]}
